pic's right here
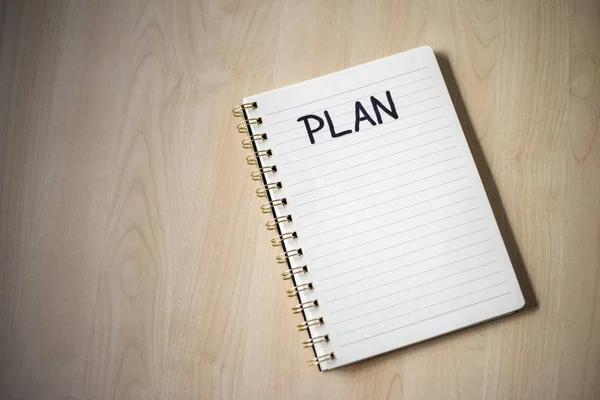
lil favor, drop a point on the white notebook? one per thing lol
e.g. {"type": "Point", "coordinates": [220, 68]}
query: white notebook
{"type": "Point", "coordinates": [387, 235]}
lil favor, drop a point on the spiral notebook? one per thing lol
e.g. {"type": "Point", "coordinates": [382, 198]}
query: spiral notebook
{"type": "Point", "coordinates": [387, 237]}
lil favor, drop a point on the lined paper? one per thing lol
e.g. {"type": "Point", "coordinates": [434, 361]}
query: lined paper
{"type": "Point", "coordinates": [393, 222]}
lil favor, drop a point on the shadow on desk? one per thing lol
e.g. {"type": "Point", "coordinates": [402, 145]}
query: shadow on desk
{"type": "Point", "coordinates": [531, 302]}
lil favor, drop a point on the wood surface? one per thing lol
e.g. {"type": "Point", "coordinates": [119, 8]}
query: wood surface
{"type": "Point", "coordinates": [134, 261]}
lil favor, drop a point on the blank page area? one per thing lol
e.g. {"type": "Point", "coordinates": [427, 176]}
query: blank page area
{"type": "Point", "coordinates": [393, 221]}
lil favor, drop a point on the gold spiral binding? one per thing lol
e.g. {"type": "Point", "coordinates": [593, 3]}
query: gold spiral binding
{"type": "Point", "coordinates": [272, 223]}
{"type": "Point", "coordinates": [300, 288]}
{"type": "Point", "coordinates": [311, 322]}
{"type": "Point", "coordinates": [262, 191]}
{"type": "Point", "coordinates": [259, 172]}
{"type": "Point", "coordinates": [242, 127]}
{"type": "Point", "coordinates": [266, 208]}
{"type": "Point", "coordinates": [276, 241]}
{"type": "Point", "coordinates": [288, 274]}
{"type": "Point", "coordinates": [318, 360]}
{"type": "Point", "coordinates": [251, 159]}
{"type": "Point", "coordinates": [317, 339]}
{"type": "Point", "coordinates": [247, 143]}
{"type": "Point", "coordinates": [283, 257]}
{"type": "Point", "coordinates": [298, 308]}
{"type": "Point", "coordinates": [238, 111]}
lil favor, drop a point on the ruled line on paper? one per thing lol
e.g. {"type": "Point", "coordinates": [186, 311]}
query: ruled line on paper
{"type": "Point", "coordinates": [396, 245]}
{"type": "Point", "coordinates": [374, 172]}
{"type": "Point", "coordinates": [329, 301]}
{"type": "Point", "coordinates": [370, 162]}
{"type": "Point", "coordinates": [425, 319]}
{"type": "Point", "coordinates": [348, 91]}
{"type": "Point", "coordinates": [386, 213]}
{"type": "Point", "coordinates": [407, 265]}
{"type": "Point", "coordinates": [368, 128]}
{"type": "Point", "coordinates": [363, 279]}
{"type": "Point", "coordinates": [407, 253]}
{"type": "Point", "coordinates": [378, 170]}
{"type": "Point", "coordinates": [380, 215]}
{"type": "Point", "coordinates": [380, 92]}
{"type": "Point", "coordinates": [371, 138]}
{"type": "Point", "coordinates": [423, 308]}
{"type": "Point", "coordinates": [385, 237]}
{"type": "Point", "coordinates": [350, 123]}
{"type": "Point", "coordinates": [394, 223]}
{"type": "Point", "coordinates": [360, 187]}
{"type": "Point", "coordinates": [372, 311]}
{"type": "Point", "coordinates": [386, 201]}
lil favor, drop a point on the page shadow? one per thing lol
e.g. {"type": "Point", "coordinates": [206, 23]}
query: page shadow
{"type": "Point", "coordinates": [531, 302]}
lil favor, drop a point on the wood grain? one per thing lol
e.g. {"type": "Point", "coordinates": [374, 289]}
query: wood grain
{"type": "Point", "coordinates": [134, 262]}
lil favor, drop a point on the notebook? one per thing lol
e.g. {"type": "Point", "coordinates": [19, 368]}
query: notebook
{"type": "Point", "coordinates": [387, 237]}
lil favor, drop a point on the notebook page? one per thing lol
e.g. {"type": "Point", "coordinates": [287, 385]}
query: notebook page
{"type": "Point", "coordinates": [390, 213]}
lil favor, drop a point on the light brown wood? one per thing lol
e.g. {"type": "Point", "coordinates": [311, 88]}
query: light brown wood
{"type": "Point", "coordinates": [134, 259]}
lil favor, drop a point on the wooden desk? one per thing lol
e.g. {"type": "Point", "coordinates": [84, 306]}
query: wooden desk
{"type": "Point", "coordinates": [134, 259]}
